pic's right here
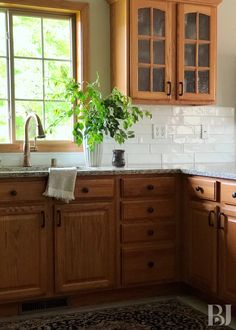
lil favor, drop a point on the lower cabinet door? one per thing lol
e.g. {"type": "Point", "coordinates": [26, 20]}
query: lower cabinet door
{"type": "Point", "coordinates": [23, 252]}
{"type": "Point", "coordinates": [202, 246]}
{"type": "Point", "coordinates": [227, 254]}
{"type": "Point", "coordinates": [147, 264]}
{"type": "Point", "coordinates": [85, 245]}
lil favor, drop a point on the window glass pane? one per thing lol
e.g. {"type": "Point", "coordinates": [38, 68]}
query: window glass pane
{"type": "Point", "coordinates": [63, 130]}
{"type": "Point", "coordinates": [27, 36]}
{"type": "Point", "coordinates": [158, 22]}
{"type": "Point", "coordinates": [159, 52]}
{"type": "Point", "coordinates": [144, 21]}
{"type": "Point", "coordinates": [159, 80]}
{"type": "Point", "coordinates": [203, 55]}
{"type": "Point", "coordinates": [144, 51]}
{"type": "Point", "coordinates": [204, 27]}
{"type": "Point", "coordinates": [56, 38]}
{"type": "Point", "coordinates": [203, 82]}
{"type": "Point", "coordinates": [2, 34]}
{"type": "Point", "coordinates": [54, 71]}
{"type": "Point", "coordinates": [189, 82]}
{"type": "Point", "coordinates": [29, 72]}
{"type": "Point", "coordinates": [144, 79]}
{"type": "Point", "coordinates": [190, 55]}
{"type": "Point", "coordinates": [3, 78]}
{"type": "Point", "coordinates": [4, 122]}
{"type": "Point", "coordinates": [23, 108]}
{"type": "Point", "coordinates": [191, 26]}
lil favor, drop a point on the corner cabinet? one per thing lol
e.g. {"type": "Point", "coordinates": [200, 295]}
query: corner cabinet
{"type": "Point", "coordinates": [164, 51]}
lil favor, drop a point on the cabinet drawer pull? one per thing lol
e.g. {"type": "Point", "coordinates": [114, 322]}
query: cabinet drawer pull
{"type": "Point", "coordinates": [169, 88]}
{"type": "Point", "coordinates": [181, 88]}
{"type": "Point", "coordinates": [43, 220]}
{"type": "Point", "coordinates": [220, 225]}
{"type": "Point", "coordinates": [150, 210]}
{"type": "Point", "coordinates": [199, 189]}
{"type": "Point", "coordinates": [151, 264]}
{"type": "Point", "coordinates": [150, 187]}
{"type": "Point", "coordinates": [13, 192]}
{"type": "Point", "coordinates": [210, 222]}
{"type": "Point", "coordinates": [85, 190]}
{"type": "Point", "coordinates": [58, 218]}
{"type": "Point", "coordinates": [234, 194]}
{"type": "Point", "coordinates": [150, 232]}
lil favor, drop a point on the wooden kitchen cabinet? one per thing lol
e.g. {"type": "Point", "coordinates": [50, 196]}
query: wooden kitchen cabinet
{"type": "Point", "coordinates": [164, 51]}
{"type": "Point", "coordinates": [23, 251]}
{"type": "Point", "coordinates": [202, 245]}
{"type": "Point", "coordinates": [85, 246]}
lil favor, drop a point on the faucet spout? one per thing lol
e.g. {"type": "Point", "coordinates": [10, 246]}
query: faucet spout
{"type": "Point", "coordinates": [40, 132]}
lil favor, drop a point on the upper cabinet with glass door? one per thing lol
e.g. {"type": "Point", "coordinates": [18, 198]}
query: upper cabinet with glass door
{"type": "Point", "coordinates": [150, 50]}
{"type": "Point", "coordinates": [197, 53]}
{"type": "Point", "coordinates": [164, 51]}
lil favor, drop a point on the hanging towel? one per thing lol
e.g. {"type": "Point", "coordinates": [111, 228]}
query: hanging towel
{"type": "Point", "coordinates": [61, 183]}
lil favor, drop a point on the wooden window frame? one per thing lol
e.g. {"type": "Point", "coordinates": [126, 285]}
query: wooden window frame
{"type": "Point", "coordinates": [81, 12]}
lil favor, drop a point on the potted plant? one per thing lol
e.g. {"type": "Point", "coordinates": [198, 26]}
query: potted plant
{"type": "Point", "coordinates": [98, 116]}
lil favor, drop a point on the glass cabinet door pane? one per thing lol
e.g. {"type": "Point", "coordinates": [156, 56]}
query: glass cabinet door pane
{"type": "Point", "coordinates": [203, 55]}
{"type": "Point", "coordinates": [144, 79]}
{"type": "Point", "coordinates": [144, 51]}
{"type": "Point", "coordinates": [159, 80]}
{"type": "Point", "coordinates": [190, 55]}
{"type": "Point", "coordinates": [204, 27]}
{"type": "Point", "coordinates": [144, 21]}
{"type": "Point", "coordinates": [191, 26]}
{"type": "Point", "coordinates": [158, 22]}
{"type": "Point", "coordinates": [159, 52]}
{"type": "Point", "coordinates": [189, 82]}
{"type": "Point", "coordinates": [203, 82]}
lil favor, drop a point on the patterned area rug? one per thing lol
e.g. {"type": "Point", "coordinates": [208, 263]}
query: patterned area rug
{"type": "Point", "coordinates": [169, 314]}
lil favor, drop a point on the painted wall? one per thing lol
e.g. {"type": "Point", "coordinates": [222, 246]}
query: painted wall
{"type": "Point", "coordinates": [226, 79]}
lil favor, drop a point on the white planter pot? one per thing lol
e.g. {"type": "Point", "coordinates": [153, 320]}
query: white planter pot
{"type": "Point", "coordinates": [93, 158]}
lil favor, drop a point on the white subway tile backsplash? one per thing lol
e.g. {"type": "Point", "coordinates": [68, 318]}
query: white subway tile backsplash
{"type": "Point", "coordinates": [147, 159]}
{"type": "Point", "coordinates": [183, 158]}
{"type": "Point", "coordinates": [219, 157]}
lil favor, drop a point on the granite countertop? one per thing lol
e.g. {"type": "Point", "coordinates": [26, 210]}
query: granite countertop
{"type": "Point", "coordinates": [220, 170]}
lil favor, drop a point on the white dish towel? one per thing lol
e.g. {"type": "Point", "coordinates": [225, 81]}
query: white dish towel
{"type": "Point", "coordinates": [61, 183]}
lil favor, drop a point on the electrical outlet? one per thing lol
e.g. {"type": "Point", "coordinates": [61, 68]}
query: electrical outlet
{"type": "Point", "coordinates": [159, 131]}
{"type": "Point", "coordinates": [204, 131]}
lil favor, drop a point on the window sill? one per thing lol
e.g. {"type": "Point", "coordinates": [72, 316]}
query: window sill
{"type": "Point", "coordinates": [42, 147]}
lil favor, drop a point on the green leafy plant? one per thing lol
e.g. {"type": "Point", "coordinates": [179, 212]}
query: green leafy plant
{"type": "Point", "coordinates": [97, 116]}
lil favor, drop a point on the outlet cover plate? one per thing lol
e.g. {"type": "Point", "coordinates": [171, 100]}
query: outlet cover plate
{"type": "Point", "coordinates": [159, 131]}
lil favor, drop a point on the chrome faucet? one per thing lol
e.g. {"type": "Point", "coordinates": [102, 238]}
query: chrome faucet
{"type": "Point", "coordinates": [41, 135]}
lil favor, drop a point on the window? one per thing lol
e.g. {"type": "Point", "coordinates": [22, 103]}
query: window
{"type": "Point", "coordinates": [34, 50]}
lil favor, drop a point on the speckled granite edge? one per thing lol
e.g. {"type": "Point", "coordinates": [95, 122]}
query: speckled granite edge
{"type": "Point", "coordinates": [229, 173]}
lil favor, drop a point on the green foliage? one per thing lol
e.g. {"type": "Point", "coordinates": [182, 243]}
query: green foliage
{"type": "Point", "coordinates": [97, 116]}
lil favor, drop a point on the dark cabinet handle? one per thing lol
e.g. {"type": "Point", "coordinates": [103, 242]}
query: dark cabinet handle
{"type": "Point", "coordinates": [85, 190]}
{"type": "Point", "coordinates": [210, 222]}
{"type": "Point", "coordinates": [169, 88]}
{"type": "Point", "coordinates": [150, 210]}
{"type": "Point", "coordinates": [151, 264]}
{"type": "Point", "coordinates": [13, 192]}
{"type": "Point", "coordinates": [150, 232]}
{"type": "Point", "coordinates": [43, 219]}
{"type": "Point", "coordinates": [181, 88]}
{"type": "Point", "coordinates": [150, 187]}
{"type": "Point", "coordinates": [199, 189]}
{"type": "Point", "coordinates": [58, 218]}
{"type": "Point", "coordinates": [220, 226]}
{"type": "Point", "coordinates": [234, 194]}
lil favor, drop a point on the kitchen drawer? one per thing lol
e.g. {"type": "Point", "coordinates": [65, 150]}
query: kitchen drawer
{"type": "Point", "coordinates": [150, 264]}
{"type": "Point", "coordinates": [228, 192]}
{"type": "Point", "coordinates": [148, 187]}
{"type": "Point", "coordinates": [148, 209]}
{"type": "Point", "coordinates": [148, 232]}
{"type": "Point", "coordinates": [202, 188]}
{"type": "Point", "coordinates": [22, 190]}
{"type": "Point", "coordinates": [94, 188]}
